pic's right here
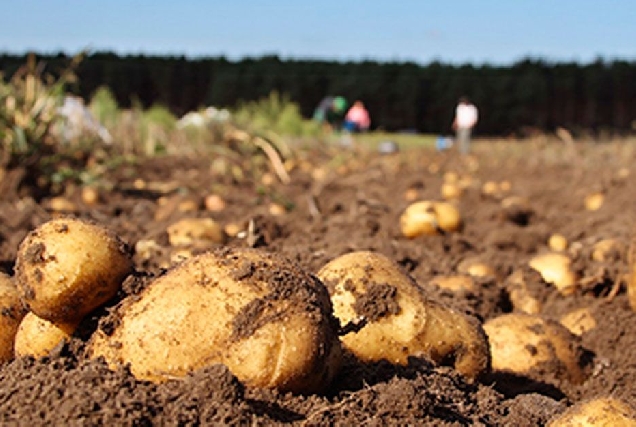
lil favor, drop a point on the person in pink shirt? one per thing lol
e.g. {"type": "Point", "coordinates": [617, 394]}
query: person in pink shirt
{"type": "Point", "coordinates": [357, 118]}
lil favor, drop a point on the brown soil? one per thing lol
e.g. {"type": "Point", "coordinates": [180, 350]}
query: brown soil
{"type": "Point", "coordinates": [354, 205]}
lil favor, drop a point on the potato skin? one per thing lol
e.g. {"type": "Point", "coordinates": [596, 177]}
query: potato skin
{"type": "Point", "coordinates": [601, 412]}
{"type": "Point", "coordinates": [521, 343]}
{"type": "Point", "coordinates": [402, 322]}
{"type": "Point", "coordinates": [267, 320]}
{"type": "Point", "coordinates": [11, 313]}
{"type": "Point", "coordinates": [36, 337]}
{"type": "Point", "coordinates": [555, 268]}
{"type": "Point", "coordinates": [68, 267]}
{"type": "Point", "coordinates": [429, 218]}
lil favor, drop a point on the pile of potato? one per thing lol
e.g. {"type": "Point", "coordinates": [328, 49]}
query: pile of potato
{"type": "Point", "coordinates": [270, 322]}
{"type": "Point", "coordinates": [65, 269]}
{"type": "Point", "coordinates": [273, 324]}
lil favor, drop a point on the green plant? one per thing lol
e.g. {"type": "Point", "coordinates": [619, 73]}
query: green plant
{"type": "Point", "coordinates": [275, 114]}
{"type": "Point", "coordinates": [28, 112]}
{"type": "Point", "coordinates": [104, 107]}
{"type": "Point", "coordinates": [30, 120]}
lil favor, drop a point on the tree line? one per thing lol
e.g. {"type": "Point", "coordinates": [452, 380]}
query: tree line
{"type": "Point", "coordinates": [531, 94]}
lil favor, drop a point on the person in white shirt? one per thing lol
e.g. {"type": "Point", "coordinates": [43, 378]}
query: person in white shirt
{"type": "Point", "coordinates": [466, 116]}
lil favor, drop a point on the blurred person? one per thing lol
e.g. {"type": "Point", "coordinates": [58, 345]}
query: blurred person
{"type": "Point", "coordinates": [466, 116]}
{"type": "Point", "coordinates": [357, 118]}
{"type": "Point", "coordinates": [330, 112]}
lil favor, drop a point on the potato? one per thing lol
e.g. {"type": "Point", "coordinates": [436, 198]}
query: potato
{"type": "Point", "coordinates": [451, 190]}
{"type": "Point", "coordinates": [429, 218]}
{"type": "Point", "coordinates": [11, 313]}
{"type": "Point", "coordinates": [558, 242]}
{"type": "Point", "coordinates": [214, 203]}
{"type": "Point", "coordinates": [607, 250]}
{"type": "Point", "coordinates": [61, 204]}
{"type": "Point", "coordinates": [579, 321]}
{"type": "Point", "coordinates": [411, 194]}
{"type": "Point", "coordinates": [90, 195]}
{"type": "Point", "coordinates": [490, 188]}
{"type": "Point", "coordinates": [67, 267]}
{"type": "Point", "coordinates": [454, 283]}
{"type": "Point", "coordinates": [450, 177]}
{"type": "Point", "coordinates": [263, 317]}
{"type": "Point", "coordinates": [401, 321]}
{"type": "Point", "coordinates": [37, 337]}
{"type": "Point", "coordinates": [200, 232]}
{"type": "Point", "coordinates": [594, 201]}
{"type": "Point", "coordinates": [496, 190]}
{"type": "Point", "coordinates": [523, 343]}
{"type": "Point", "coordinates": [555, 268]}
{"type": "Point", "coordinates": [476, 268]}
{"type": "Point", "coordinates": [600, 412]}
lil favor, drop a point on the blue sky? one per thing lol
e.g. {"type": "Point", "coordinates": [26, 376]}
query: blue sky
{"type": "Point", "coordinates": [454, 31]}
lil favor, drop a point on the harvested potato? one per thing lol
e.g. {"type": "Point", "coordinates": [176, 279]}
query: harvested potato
{"type": "Point", "coordinates": [555, 268]}
{"type": "Point", "coordinates": [11, 313]}
{"type": "Point", "coordinates": [196, 232]}
{"type": "Point", "coordinates": [263, 317]}
{"type": "Point", "coordinates": [411, 194]}
{"type": "Point", "coordinates": [496, 189]}
{"type": "Point", "coordinates": [476, 268]}
{"type": "Point", "coordinates": [557, 243]}
{"type": "Point", "coordinates": [66, 268]}
{"type": "Point", "coordinates": [454, 283]}
{"type": "Point", "coordinates": [147, 249]}
{"type": "Point", "coordinates": [450, 177]}
{"type": "Point", "coordinates": [598, 412]}
{"type": "Point", "coordinates": [523, 343]}
{"type": "Point", "coordinates": [401, 321]}
{"type": "Point", "coordinates": [61, 204]}
{"type": "Point", "coordinates": [606, 250]}
{"type": "Point", "coordinates": [90, 195]}
{"type": "Point", "coordinates": [214, 203]}
{"type": "Point", "coordinates": [231, 229]}
{"type": "Point", "coordinates": [490, 188]}
{"type": "Point", "coordinates": [188, 205]}
{"type": "Point", "coordinates": [276, 209]}
{"type": "Point", "coordinates": [429, 218]}
{"type": "Point", "coordinates": [594, 201]}
{"type": "Point", "coordinates": [451, 190]}
{"type": "Point", "coordinates": [37, 337]}
{"type": "Point", "coordinates": [579, 321]}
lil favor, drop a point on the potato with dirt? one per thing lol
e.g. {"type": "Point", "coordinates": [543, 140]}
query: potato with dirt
{"type": "Point", "coordinates": [270, 322]}
{"type": "Point", "coordinates": [11, 313]}
{"type": "Point", "coordinates": [68, 267]}
{"type": "Point", "coordinates": [428, 218]}
{"type": "Point", "coordinates": [524, 343]}
{"type": "Point", "coordinates": [556, 269]}
{"type": "Point", "coordinates": [601, 411]}
{"type": "Point", "coordinates": [401, 321]}
{"type": "Point", "coordinates": [36, 337]}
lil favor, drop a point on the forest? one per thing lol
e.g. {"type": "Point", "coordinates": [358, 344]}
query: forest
{"type": "Point", "coordinates": [528, 96]}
